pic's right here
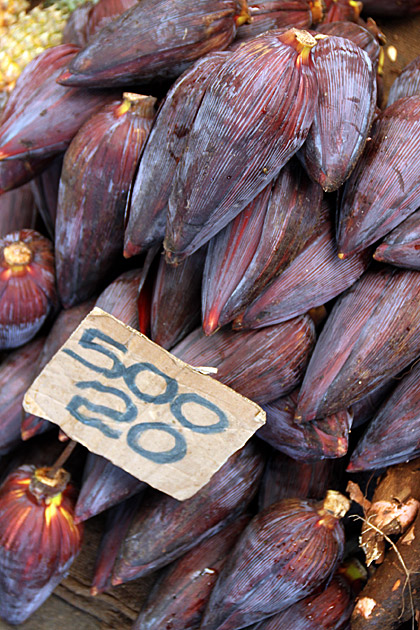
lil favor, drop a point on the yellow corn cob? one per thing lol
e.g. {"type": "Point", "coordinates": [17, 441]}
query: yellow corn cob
{"type": "Point", "coordinates": [29, 34]}
{"type": "Point", "coordinates": [10, 9]}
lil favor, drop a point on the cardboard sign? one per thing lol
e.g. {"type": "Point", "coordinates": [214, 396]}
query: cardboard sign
{"type": "Point", "coordinates": [126, 398]}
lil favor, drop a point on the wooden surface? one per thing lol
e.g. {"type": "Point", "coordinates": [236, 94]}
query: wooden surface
{"type": "Point", "coordinates": [71, 605]}
{"type": "Point", "coordinates": [404, 35]}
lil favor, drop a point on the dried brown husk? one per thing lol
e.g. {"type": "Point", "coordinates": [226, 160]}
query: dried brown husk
{"type": "Point", "coordinates": [284, 554]}
{"type": "Point", "coordinates": [394, 507]}
{"type": "Point", "coordinates": [344, 114]}
{"type": "Point", "coordinates": [401, 246]}
{"type": "Point", "coordinates": [314, 277]}
{"type": "Point", "coordinates": [187, 523]}
{"type": "Point", "coordinates": [97, 174]}
{"type": "Point", "coordinates": [388, 598]}
{"type": "Point", "coordinates": [259, 244]}
{"type": "Point", "coordinates": [261, 365]}
{"type": "Point", "coordinates": [155, 40]}
{"type": "Point", "coordinates": [164, 148]}
{"type": "Point", "coordinates": [247, 116]}
{"type": "Point", "coordinates": [179, 597]}
{"type": "Point", "coordinates": [384, 188]}
{"type": "Point", "coordinates": [372, 333]}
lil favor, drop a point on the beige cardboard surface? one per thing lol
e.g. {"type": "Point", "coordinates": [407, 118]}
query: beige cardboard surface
{"type": "Point", "coordinates": [126, 398]}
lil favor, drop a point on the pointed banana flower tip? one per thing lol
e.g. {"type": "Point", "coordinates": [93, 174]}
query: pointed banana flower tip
{"type": "Point", "coordinates": [130, 250]}
{"type": "Point", "coordinates": [353, 466]}
{"type": "Point", "coordinates": [94, 591]}
{"type": "Point", "coordinates": [210, 323]}
{"type": "Point", "coordinates": [328, 183]}
{"type": "Point", "coordinates": [341, 255]}
{"type": "Point", "coordinates": [379, 253]}
{"type": "Point", "coordinates": [26, 434]}
{"type": "Point", "coordinates": [342, 446]}
{"type": "Point", "coordinates": [64, 77]}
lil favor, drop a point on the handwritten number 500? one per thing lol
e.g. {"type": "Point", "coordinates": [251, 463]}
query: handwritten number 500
{"type": "Point", "coordinates": [169, 396]}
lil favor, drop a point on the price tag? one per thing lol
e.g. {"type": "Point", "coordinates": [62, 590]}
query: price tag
{"type": "Point", "coordinates": [124, 397]}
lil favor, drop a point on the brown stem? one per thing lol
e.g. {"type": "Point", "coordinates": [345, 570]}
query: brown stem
{"type": "Point", "coordinates": [61, 459]}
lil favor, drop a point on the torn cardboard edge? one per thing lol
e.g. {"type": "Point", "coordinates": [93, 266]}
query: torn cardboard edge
{"type": "Point", "coordinates": [125, 398]}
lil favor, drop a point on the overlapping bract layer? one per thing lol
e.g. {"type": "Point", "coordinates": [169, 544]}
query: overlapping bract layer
{"type": "Point", "coordinates": [286, 551]}
{"type": "Point", "coordinates": [247, 127]}
{"type": "Point", "coordinates": [371, 334]}
{"type": "Point", "coordinates": [38, 543]}
{"type": "Point", "coordinates": [384, 188]}
{"type": "Point", "coordinates": [155, 40]}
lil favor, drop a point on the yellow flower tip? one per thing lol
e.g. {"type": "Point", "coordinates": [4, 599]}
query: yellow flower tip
{"type": "Point", "coordinates": [17, 254]}
{"type": "Point", "coordinates": [244, 16]}
{"type": "Point", "coordinates": [381, 61]}
{"type": "Point", "coordinates": [242, 19]}
{"type": "Point", "coordinates": [23, 482]}
{"type": "Point", "coordinates": [303, 43]}
{"type": "Point", "coordinates": [358, 6]}
{"type": "Point", "coordinates": [49, 513]}
{"type": "Point", "coordinates": [123, 108]}
{"type": "Point", "coordinates": [305, 39]}
{"type": "Point", "coordinates": [341, 256]}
